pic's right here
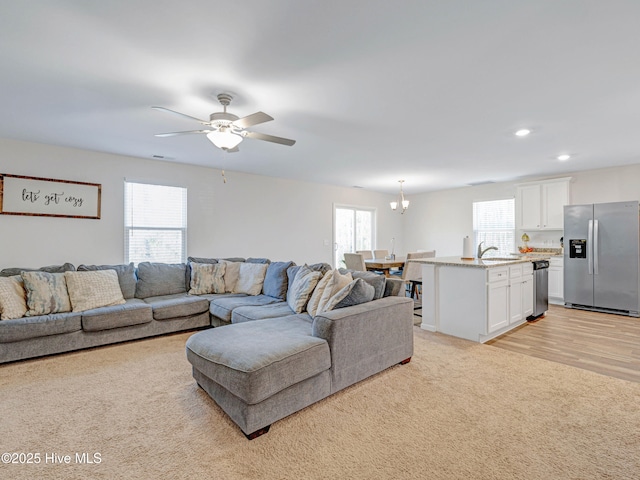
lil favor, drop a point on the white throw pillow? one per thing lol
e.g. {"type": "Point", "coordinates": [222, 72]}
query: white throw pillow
{"type": "Point", "coordinates": [302, 288]}
{"type": "Point", "coordinates": [46, 293]}
{"type": "Point", "coordinates": [13, 298]}
{"type": "Point", "coordinates": [207, 278]}
{"type": "Point", "coordinates": [251, 278]}
{"type": "Point", "coordinates": [314, 301]}
{"type": "Point", "coordinates": [337, 283]}
{"type": "Point", "coordinates": [94, 289]}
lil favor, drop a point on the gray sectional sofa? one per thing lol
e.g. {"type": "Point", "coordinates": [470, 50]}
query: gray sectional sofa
{"type": "Point", "coordinates": [274, 354]}
{"type": "Point", "coordinates": [156, 303]}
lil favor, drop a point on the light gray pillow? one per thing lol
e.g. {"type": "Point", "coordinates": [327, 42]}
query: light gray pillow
{"type": "Point", "coordinates": [377, 281]}
{"type": "Point", "coordinates": [355, 293]}
{"type": "Point", "coordinates": [302, 288]}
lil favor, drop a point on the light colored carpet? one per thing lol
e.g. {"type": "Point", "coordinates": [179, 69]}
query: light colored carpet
{"type": "Point", "coordinates": [459, 410]}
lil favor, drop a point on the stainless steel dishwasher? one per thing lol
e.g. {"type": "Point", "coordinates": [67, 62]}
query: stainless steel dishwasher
{"type": "Point", "coordinates": [540, 288]}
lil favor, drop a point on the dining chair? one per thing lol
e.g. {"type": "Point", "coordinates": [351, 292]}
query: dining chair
{"type": "Point", "coordinates": [367, 254]}
{"type": "Point", "coordinates": [355, 261]}
{"type": "Point", "coordinates": [380, 253]}
{"type": "Point", "coordinates": [412, 274]}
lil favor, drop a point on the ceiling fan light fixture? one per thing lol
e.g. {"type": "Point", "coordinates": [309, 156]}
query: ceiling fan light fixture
{"type": "Point", "coordinates": [224, 139]}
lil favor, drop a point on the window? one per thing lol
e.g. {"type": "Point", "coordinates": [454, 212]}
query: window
{"type": "Point", "coordinates": [494, 224]}
{"type": "Point", "coordinates": [353, 230]}
{"type": "Point", "coordinates": [155, 223]}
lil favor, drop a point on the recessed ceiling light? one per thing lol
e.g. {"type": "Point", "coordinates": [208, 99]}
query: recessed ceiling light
{"type": "Point", "coordinates": [563, 157]}
{"type": "Point", "coordinates": [523, 132]}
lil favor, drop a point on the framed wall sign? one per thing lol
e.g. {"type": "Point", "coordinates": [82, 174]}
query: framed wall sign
{"type": "Point", "coordinates": [48, 197]}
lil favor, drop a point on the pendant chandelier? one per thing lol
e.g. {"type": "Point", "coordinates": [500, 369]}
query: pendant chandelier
{"type": "Point", "coordinates": [404, 203]}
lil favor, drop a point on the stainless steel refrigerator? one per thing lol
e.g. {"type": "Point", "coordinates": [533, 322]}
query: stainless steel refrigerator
{"type": "Point", "coordinates": [602, 257]}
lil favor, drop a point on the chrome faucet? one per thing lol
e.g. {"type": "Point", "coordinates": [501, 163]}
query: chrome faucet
{"type": "Point", "coordinates": [481, 252]}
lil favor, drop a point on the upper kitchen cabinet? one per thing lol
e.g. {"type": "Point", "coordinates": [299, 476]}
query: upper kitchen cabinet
{"type": "Point", "coordinates": [540, 205]}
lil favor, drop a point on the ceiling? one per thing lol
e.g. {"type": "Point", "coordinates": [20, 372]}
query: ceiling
{"type": "Point", "coordinates": [428, 91]}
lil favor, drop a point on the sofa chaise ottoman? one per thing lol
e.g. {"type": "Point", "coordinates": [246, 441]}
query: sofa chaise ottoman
{"type": "Point", "coordinates": [261, 371]}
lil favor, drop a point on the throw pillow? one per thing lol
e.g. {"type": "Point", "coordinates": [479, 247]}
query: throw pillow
{"type": "Point", "coordinates": [276, 280]}
{"type": "Point", "coordinates": [13, 298]}
{"type": "Point", "coordinates": [250, 278]}
{"type": "Point", "coordinates": [46, 293]}
{"type": "Point", "coordinates": [316, 267]}
{"type": "Point", "coordinates": [314, 301]}
{"type": "Point", "coordinates": [191, 260]}
{"type": "Point", "coordinates": [357, 292]}
{"type": "Point", "coordinates": [126, 276]}
{"type": "Point", "coordinates": [302, 287]}
{"type": "Point", "coordinates": [338, 282]}
{"type": "Point", "coordinates": [378, 282]}
{"type": "Point", "coordinates": [207, 278]}
{"type": "Point", "coordinates": [231, 274]}
{"type": "Point", "coordinates": [88, 290]}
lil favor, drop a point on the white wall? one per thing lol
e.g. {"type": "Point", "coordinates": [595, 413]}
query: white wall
{"type": "Point", "coordinates": [250, 215]}
{"type": "Point", "coordinates": [440, 220]}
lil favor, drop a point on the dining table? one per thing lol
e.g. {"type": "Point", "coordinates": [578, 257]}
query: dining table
{"type": "Point", "coordinates": [384, 265]}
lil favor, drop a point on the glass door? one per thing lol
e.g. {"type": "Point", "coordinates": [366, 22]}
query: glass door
{"type": "Point", "coordinates": [353, 229]}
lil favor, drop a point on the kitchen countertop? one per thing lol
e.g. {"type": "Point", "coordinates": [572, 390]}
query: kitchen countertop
{"type": "Point", "coordinates": [487, 262]}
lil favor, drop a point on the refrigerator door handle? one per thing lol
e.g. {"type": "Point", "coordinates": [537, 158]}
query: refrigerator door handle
{"type": "Point", "coordinates": [590, 248]}
{"type": "Point", "coordinates": [595, 247]}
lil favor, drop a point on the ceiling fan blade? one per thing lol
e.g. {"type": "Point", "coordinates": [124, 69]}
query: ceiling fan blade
{"type": "Point", "coordinates": [173, 134]}
{"type": "Point", "coordinates": [270, 138]}
{"type": "Point", "coordinates": [253, 119]}
{"type": "Point", "coordinates": [182, 115]}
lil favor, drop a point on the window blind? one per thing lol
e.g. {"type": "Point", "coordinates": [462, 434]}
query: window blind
{"type": "Point", "coordinates": [494, 224]}
{"type": "Point", "coordinates": [155, 223]}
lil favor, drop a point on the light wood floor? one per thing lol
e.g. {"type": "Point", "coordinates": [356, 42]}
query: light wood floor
{"type": "Point", "coordinates": [603, 343]}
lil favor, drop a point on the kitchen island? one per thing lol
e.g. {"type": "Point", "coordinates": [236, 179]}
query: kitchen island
{"type": "Point", "coordinates": [477, 299]}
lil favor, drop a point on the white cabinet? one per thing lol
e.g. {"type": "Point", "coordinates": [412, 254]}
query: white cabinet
{"type": "Point", "coordinates": [540, 205]}
{"type": "Point", "coordinates": [498, 299]}
{"type": "Point", "coordinates": [515, 293]}
{"type": "Point", "coordinates": [509, 295]}
{"type": "Point", "coordinates": [529, 205]}
{"type": "Point", "coordinates": [556, 280]}
{"type": "Point", "coordinates": [520, 292]}
{"type": "Point", "coordinates": [475, 303]}
{"type": "Point", "coordinates": [527, 296]}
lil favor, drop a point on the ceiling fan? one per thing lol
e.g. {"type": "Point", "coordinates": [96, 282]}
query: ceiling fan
{"type": "Point", "coordinates": [228, 130]}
